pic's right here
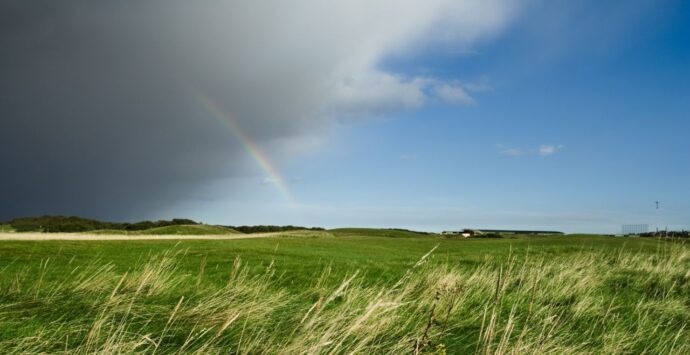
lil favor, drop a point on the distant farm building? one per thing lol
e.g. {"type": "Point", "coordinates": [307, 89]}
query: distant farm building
{"type": "Point", "coordinates": [468, 233]}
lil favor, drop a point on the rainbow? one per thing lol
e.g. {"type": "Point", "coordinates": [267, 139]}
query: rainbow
{"type": "Point", "coordinates": [252, 149]}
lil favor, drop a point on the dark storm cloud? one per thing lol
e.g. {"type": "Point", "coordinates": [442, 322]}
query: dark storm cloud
{"type": "Point", "coordinates": [99, 113]}
{"type": "Point", "coordinates": [95, 118]}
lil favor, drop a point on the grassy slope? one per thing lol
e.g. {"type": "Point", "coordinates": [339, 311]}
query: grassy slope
{"type": "Point", "coordinates": [200, 229]}
{"type": "Point", "coordinates": [189, 230]}
{"type": "Point", "coordinates": [6, 228]}
{"type": "Point", "coordinates": [29, 269]}
{"type": "Point", "coordinates": [372, 232]}
{"type": "Point", "coordinates": [112, 232]}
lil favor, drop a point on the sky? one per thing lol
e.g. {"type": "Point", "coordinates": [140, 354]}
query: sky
{"type": "Point", "coordinates": [430, 115]}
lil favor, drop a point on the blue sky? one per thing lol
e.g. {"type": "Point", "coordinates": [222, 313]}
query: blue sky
{"type": "Point", "coordinates": [608, 92]}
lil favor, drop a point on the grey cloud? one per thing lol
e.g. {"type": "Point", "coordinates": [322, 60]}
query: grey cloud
{"type": "Point", "coordinates": [99, 113]}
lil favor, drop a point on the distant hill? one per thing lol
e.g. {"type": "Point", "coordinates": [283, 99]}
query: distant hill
{"type": "Point", "coordinates": [193, 229]}
{"type": "Point", "coordinates": [197, 229]}
{"type": "Point", "coordinates": [74, 224]}
{"type": "Point", "coordinates": [270, 228]}
{"type": "Point", "coordinates": [376, 232]}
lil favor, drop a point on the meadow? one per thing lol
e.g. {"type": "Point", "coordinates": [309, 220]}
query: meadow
{"type": "Point", "coordinates": [347, 291]}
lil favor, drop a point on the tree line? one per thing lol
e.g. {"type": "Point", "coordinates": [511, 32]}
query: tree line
{"type": "Point", "coordinates": [55, 224]}
{"type": "Point", "coordinates": [668, 234]}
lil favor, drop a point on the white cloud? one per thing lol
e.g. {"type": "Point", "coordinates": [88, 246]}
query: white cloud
{"type": "Point", "coordinates": [295, 64]}
{"type": "Point", "coordinates": [548, 149]}
{"type": "Point", "coordinates": [374, 92]}
{"type": "Point", "coordinates": [452, 93]}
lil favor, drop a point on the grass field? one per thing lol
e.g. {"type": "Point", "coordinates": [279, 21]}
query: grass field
{"type": "Point", "coordinates": [346, 291]}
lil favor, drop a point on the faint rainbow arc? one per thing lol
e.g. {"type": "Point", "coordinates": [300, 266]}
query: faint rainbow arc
{"type": "Point", "coordinates": [252, 149]}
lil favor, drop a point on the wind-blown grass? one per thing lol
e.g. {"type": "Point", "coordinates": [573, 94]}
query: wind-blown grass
{"type": "Point", "coordinates": [587, 301]}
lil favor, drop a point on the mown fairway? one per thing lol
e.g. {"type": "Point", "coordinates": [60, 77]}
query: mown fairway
{"type": "Point", "coordinates": [362, 291]}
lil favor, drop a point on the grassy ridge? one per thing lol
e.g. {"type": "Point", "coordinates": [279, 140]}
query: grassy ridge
{"type": "Point", "coordinates": [6, 228]}
{"type": "Point", "coordinates": [362, 293]}
{"type": "Point", "coordinates": [189, 230]}
{"type": "Point", "coordinates": [194, 229]}
{"type": "Point", "coordinates": [72, 224]}
{"type": "Point", "coordinates": [373, 232]}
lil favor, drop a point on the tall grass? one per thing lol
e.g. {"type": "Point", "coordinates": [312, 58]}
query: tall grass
{"type": "Point", "coordinates": [585, 302]}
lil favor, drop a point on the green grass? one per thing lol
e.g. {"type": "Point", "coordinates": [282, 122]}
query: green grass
{"type": "Point", "coordinates": [200, 229]}
{"type": "Point", "coordinates": [195, 229]}
{"type": "Point", "coordinates": [372, 232]}
{"type": "Point", "coordinates": [362, 291]}
{"type": "Point", "coordinates": [113, 232]}
{"type": "Point", "coordinates": [6, 228]}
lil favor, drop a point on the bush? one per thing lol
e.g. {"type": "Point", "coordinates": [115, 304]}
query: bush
{"type": "Point", "coordinates": [59, 224]}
